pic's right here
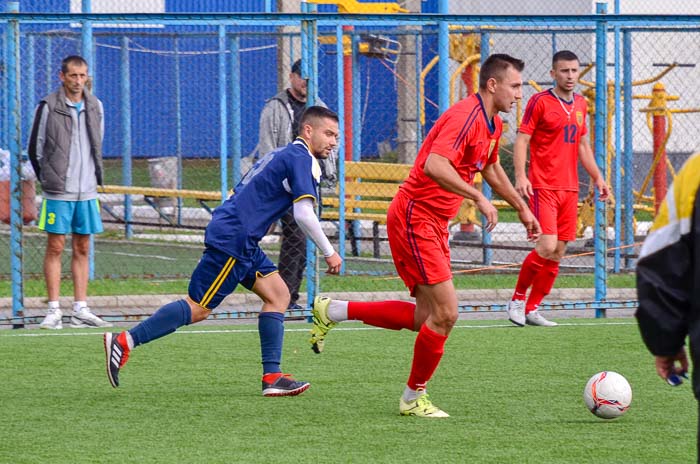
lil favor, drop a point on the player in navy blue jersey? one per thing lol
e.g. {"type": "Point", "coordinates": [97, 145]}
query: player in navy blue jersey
{"type": "Point", "coordinates": [288, 177]}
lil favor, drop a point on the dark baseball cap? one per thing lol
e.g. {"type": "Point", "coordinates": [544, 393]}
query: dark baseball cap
{"type": "Point", "coordinates": [296, 67]}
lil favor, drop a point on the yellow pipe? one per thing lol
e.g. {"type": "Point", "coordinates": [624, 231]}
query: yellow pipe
{"type": "Point", "coordinates": [470, 60]}
{"type": "Point", "coordinates": [424, 73]}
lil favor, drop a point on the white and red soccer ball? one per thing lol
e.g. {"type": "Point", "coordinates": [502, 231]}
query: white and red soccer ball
{"type": "Point", "coordinates": [607, 395]}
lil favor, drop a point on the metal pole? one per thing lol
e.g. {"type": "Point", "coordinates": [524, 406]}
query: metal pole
{"type": "Point", "coordinates": [628, 180]}
{"type": "Point", "coordinates": [30, 81]}
{"type": "Point", "coordinates": [617, 167]}
{"type": "Point", "coordinates": [223, 116]}
{"type": "Point", "coordinates": [419, 69]}
{"type": "Point", "coordinates": [15, 144]}
{"type": "Point", "coordinates": [600, 233]}
{"type": "Point", "coordinates": [444, 63]}
{"type": "Point", "coordinates": [235, 87]}
{"type": "Point", "coordinates": [126, 131]}
{"type": "Point", "coordinates": [86, 42]}
{"type": "Point", "coordinates": [340, 73]}
{"type": "Point", "coordinates": [178, 125]}
{"type": "Point", "coordinates": [486, 239]}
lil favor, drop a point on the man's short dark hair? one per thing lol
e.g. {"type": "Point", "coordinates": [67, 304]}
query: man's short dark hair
{"type": "Point", "coordinates": [75, 60]}
{"type": "Point", "coordinates": [296, 67]}
{"type": "Point", "coordinates": [564, 55]}
{"type": "Point", "coordinates": [313, 113]}
{"type": "Point", "coordinates": [496, 65]}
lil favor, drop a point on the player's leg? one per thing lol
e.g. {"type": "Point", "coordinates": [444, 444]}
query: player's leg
{"type": "Point", "coordinates": [440, 302]}
{"type": "Point", "coordinates": [215, 276]}
{"type": "Point", "coordinates": [267, 283]}
{"type": "Point", "coordinates": [292, 261]}
{"type": "Point", "coordinates": [394, 315]}
{"type": "Point", "coordinates": [54, 220]}
{"type": "Point", "coordinates": [544, 210]}
{"type": "Point", "coordinates": [553, 249]}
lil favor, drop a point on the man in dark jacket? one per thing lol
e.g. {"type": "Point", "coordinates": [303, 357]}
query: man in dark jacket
{"type": "Point", "coordinates": [65, 148]}
{"type": "Point", "coordinates": [668, 279]}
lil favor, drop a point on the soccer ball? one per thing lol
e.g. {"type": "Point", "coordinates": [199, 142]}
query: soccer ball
{"type": "Point", "coordinates": [607, 395]}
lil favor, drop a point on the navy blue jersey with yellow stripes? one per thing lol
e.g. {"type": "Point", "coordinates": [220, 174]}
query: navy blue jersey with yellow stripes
{"type": "Point", "coordinates": [264, 194]}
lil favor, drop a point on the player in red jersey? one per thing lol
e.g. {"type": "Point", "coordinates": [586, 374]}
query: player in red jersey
{"type": "Point", "coordinates": [463, 141]}
{"type": "Point", "coordinates": [554, 126]}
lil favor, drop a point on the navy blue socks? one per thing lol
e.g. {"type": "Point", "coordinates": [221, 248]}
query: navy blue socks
{"type": "Point", "coordinates": [271, 330]}
{"type": "Point", "coordinates": [162, 322]}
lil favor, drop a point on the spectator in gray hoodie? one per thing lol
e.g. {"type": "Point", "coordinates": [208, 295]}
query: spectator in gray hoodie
{"type": "Point", "coordinates": [279, 125]}
{"type": "Point", "coordinates": [65, 148]}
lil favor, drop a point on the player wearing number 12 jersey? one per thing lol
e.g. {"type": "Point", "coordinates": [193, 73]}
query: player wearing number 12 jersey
{"type": "Point", "coordinates": [554, 127]}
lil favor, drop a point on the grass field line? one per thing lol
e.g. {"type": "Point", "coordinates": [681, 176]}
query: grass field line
{"type": "Point", "coordinates": [337, 329]}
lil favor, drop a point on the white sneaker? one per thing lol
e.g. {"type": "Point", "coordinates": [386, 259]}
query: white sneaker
{"type": "Point", "coordinates": [516, 312]}
{"type": "Point", "coordinates": [52, 320]}
{"type": "Point", "coordinates": [535, 318]}
{"type": "Point", "coordinates": [84, 318]}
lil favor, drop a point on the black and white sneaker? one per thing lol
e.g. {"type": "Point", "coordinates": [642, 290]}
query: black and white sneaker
{"type": "Point", "coordinates": [116, 354]}
{"type": "Point", "coordinates": [278, 384]}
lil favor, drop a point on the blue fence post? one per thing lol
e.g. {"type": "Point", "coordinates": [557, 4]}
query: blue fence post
{"type": "Point", "coordinates": [628, 180]}
{"type": "Point", "coordinates": [30, 81]}
{"type": "Point", "coordinates": [235, 88]}
{"type": "Point", "coordinates": [444, 54]}
{"type": "Point", "coordinates": [223, 116]}
{"type": "Point", "coordinates": [15, 144]}
{"type": "Point", "coordinates": [617, 174]}
{"type": "Point", "coordinates": [125, 80]}
{"type": "Point", "coordinates": [178, 125]}
{"type": "Point", "coordinates": [600, 232]}
{"type": "Point", "coordinates": [86, 43]}
{"type": "Point", "coordinates": [340, 76]}
{"type": "Point", "coordinates": [486, 238]}
{"type": "Point", "coordinates": [419, 70]}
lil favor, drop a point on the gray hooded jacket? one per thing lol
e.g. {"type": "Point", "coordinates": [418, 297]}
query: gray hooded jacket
{"type": "Point", "coordinates": [276, 131]}
{"type": "Point", "coordinates": [65, 146]}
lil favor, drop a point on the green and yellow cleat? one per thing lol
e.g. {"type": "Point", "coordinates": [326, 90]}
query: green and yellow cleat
{"type": "Point", "coordinates": [421, 407]}
{"type": "Point", "coordinates": [321, 323]}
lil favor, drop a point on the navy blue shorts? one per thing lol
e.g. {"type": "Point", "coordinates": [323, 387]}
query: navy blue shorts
{"type": "Point", "coordinates": [217, 275]}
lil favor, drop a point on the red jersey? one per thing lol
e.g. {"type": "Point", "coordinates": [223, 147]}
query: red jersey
{"type": "Point", "coordinates": [465, 136]}
{"type": "Point", "coordinates": [556, 127]}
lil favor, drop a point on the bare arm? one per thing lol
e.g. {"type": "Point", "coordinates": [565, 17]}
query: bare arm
{"type": "Point", "coordinates": [440, 169]}
{"type": "Point", "coordinates": [499, 182]}
{"type": "Point", "coordinates": [522, 183]}
{"type": "Point", "coordinates": [585, 155]}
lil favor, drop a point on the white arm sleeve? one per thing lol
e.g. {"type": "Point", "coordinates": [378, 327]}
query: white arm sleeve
{"type": "Point", "coordinates": [309, 223]}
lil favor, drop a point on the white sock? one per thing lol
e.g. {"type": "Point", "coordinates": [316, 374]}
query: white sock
{"type": "Point", "coordinates": [79, 304]}
{"type": "Point", "coordinates": [54, 305]}
{"type": "Point", "coordinates": [129, 340]}
{"type": "Point", "coordinates": [338, 310]}
{"type": "Point", "coordinates": [410, 394]}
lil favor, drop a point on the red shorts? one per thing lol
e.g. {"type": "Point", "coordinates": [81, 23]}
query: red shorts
{"type": "Point", "coordinates": [419, 243]}
{"type": "Point", "coordinates": [556, 210]}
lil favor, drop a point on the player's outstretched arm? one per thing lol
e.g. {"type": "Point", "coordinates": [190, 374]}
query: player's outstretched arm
{"type": "Point", "coordinates": [585, 154]}
{"type": "Point", "coordinates": [499, 182]}
{"type": "Point", "coordinates": [308, 222]}
{"type": "Point", "coordinates": [522, 184]}
{"type": "Point", "coordinates": [440, 169]}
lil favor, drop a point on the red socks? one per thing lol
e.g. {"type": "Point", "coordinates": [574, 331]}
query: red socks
{"type": "Point", "coordinates": [531, 266]}
{"type": "Point", "coordinates": [542, 285]}
{"type": "Point", "coordinates": [394, 315]}
{"type": "Point", "coordinates": [427, 353]}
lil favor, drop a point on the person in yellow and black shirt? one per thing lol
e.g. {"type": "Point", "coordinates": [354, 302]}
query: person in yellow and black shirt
{"type": "Point", "coordinates": [668, 279]}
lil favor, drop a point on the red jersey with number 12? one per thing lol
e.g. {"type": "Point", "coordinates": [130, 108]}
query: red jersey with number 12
{"type": "Point", "coordinates": [465, 136]}
{"type": "Point", "coordinates": [556, 127]}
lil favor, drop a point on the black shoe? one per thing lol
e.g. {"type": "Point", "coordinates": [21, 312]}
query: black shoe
{"type": "Point", "coordinates": [283, 385]}
{"type": "Point", "coordinates": [116, 355]}
{"type": "Point", "coordinates": [294, 307]}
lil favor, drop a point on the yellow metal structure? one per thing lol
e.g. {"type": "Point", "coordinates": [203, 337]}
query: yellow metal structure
{"type": "Point", "coordinates": [353, 6]}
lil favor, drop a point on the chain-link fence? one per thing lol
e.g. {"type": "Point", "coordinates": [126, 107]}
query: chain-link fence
{"type": "Point", "coordinates": [182, 106]}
